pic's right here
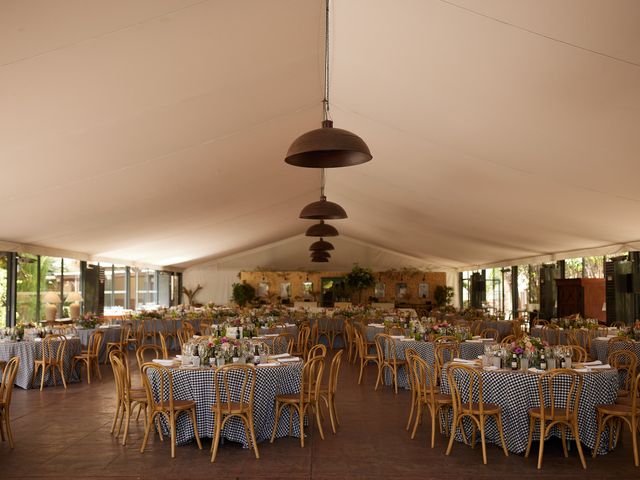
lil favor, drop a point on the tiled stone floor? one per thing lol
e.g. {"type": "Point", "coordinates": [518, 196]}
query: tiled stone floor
{"type": "Point", "coordinates": [65, 434]}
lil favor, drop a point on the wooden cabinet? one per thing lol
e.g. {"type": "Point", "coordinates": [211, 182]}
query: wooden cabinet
{"type": "Point", "coordinates": [581, 295]}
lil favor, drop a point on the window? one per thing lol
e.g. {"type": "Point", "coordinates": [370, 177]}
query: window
{"type": "Point", "coordinates": [495, 299]}
{"type": "Point", "coordinates": [27, 283]}
{"type": "Point", "coordinates": [523, 288]}
{"type": "Point", "coordinates": [119, 285]}
{"type": "Point", "coordinates": [573, 268]}
{"type": "Point", "coordinates": [3, 290]}
{"type": "Point", "coordinates": [593, 267]}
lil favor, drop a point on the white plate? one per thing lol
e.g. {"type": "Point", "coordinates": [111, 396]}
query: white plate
{"type": "Point", "coordinates": [290, 359]}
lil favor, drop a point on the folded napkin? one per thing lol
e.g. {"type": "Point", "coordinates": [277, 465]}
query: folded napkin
{"type": "Point", "coordinates": [477, 337]}
{"type": "Point", "coordinates": [475, 340]}
{"type": "Point", "coordinates": [280, 355]}
{"type": "Point", "coordinates": [376, 325]}
{"type": "Point", "coordinates": [290, 324]}
{"type": "Point", "coordinates": [490, 368]}
{"type": "Point", "coordinates": [536, 370]}
{"type": "Point", "coordinates": [603, 338]}
{"type": "Point", "coordinates": [270, 364]}
{"type": "Point", "coordinates": [164, 362]}
{"type": "Point", "coordinates": [270, 334]}
{"type": "Point", "coordinates": [290, 359]}
{"type": "Point", "coordinates": [591, 364]}
{"type": "Point", "coordinates": [581, 370]}
{"type": "Point", "coordinates": [407, 340]}
{"type": "Point", "coordinates": [397, 337]}
{"type": "Point", "coordinates": [600, 367]}
{"type": "Point", "coordinates": [179, 357]}
{"type": "Point", "coordinates": [463, 360]}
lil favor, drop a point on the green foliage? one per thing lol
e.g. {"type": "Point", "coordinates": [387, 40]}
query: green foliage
{"type": "Point", "coordinates": [243, 293]}
{"type": "Point", "coordinates": [359, 279]}
{"type": "Point", "coordinates": [442, 295]}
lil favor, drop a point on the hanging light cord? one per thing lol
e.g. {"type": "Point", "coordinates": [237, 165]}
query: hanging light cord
{"type": "Point", "coordinates": [325, 100]}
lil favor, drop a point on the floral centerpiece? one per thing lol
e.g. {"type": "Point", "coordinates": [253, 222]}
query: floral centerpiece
{"type": "Point", "coordinates": [632, 332]}
{"type": "Point", "coordinates": [440, 329]}
{"type": "Point", "coordinates": [90, 320]}
{"type": "Point", "coordinates": [575, 322]}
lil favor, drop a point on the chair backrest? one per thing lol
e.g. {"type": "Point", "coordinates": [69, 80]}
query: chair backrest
{"type": "Point", "coordinates": [424, 380]}
{"type": "Point", "coordinates": [124, 358]}
{"type": "Point", "coordinates": [396, 330]}
{"type": "Point", "coordinates": [234, 383]}
{"type": "Point", "coordinates": [619, 324]}
{"type": "Point", "coordinates": [490, 333]}
{"type": "Point", "coordinates": [387, 346]}
{"type": "Point", "coordinates": [578, 354]}
{"type": "Point", "coordinates": [445, 352]}
{"type": "Point", "coordinates": [460, 376]}
{"type": "Point", "coordinates": [206, 329]}
{"type": "Point", "coordinates": [619, 343]}
{"type": "Point", "coordinates": [150, 327]}
{"type": "Point", "coordinates": [626, 362]}
{"type": "Point", "coordinates": [318, 350]}
{"type": "Point", "coordinates": [445, 339]}
{"type": "Point", "coordinates": [119, 372]}
{"type": "Point", "coordinates": [476, 325]}
{"type": "Point", "coordinates": [125, 333]}
{"type": "Point", "coordinates": [163, 344]}
{"type": "Point", "coordinates": [551, 334]}
{"type": "Point", "coordinates": [516, 328]}
{"type": "Point", "coordinates": [283, 343]}
{"type": "Point", "coordinates": [144, 350]}
{"type": "Point", "coordinates": [559, 391]}
{"type": "Point", "coordinates": [303, 339]}
{"type": "Point", "coordinates": [409, 353]}
{"type": "Point", "coordinates": [54, 346]}
{"type": "Point", "coordinates": [508, 340]}
{"type": "Point", "coordinates": [95, 342]}
{"type": "Point", "coordinates": [540, 322]}
{"type": "Point", "coordinates": [8, 379]}
{"type": "Point", "coordinates": [311, 379]}
{"type": "Point", "coordinates": [185, 333]}
{"type": "Point", "coordinates": [163, 380]}
{"type": "Point", "coordinates": [334, 372]}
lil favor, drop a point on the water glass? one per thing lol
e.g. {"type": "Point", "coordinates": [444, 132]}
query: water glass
{"type": "Point", "coordinates": [524, 363]}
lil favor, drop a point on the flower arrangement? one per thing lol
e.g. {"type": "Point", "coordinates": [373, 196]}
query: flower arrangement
{"type": "Point", "coordinates": [527, 346]}
{"type": "Point", "coordinates": [90, 320]}
{"type": "Point", "coordinates": [632, 332]}
{"type": "Point", "coordinates": [575, 322]}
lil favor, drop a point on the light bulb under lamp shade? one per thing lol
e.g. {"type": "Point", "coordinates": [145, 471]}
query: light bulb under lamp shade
{"type": "Point", "coordinates": [323, 210]}
{"type": "Point", "coordinates": [320, 253]}
{"type": "Point", "coordinates": [328, 147]}
{"type": "Point", "coordinates": [321, 230]}
{"type": "Point", "coordinates": [321, 245]}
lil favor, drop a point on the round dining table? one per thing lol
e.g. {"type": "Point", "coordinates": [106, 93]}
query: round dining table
{"type": "Point", "coordinates": [111, 334]}
{"type": "Point", "coordinates": [517, 391]}
{"type": "Point", "coordinates": [198, 384]}
{"type": "Point", "coordinates": [30, 350]}
{"type": "Point", "coordinates": [601, 348]}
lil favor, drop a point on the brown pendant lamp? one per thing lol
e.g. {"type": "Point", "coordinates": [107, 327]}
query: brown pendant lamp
{"type": "Point", "coordinates": [323, 209]}
{"type": "Point", "coordinates": [327, 147]}
{"type": "Point", "coordinates": [321, 245]}
{"type": "Point", "coordinates": [321, 230]}
{"type": "Point", "coordinates": [320, 254]}
{"type": "Point", "coordinates": [319, 259]}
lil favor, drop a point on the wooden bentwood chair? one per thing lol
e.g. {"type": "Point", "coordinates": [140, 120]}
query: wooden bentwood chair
{"type": "Point", "coordinates": [167, 406]}
{"type": "Point", "coordinates": [9, 373]}
{"type": "Point", "coordinates": [557, 410]}
{"type": "Point", "coordinates": [477, 412]}
{"type": "Point", "coordinates": [328, 391]}
{"type": "Point", "coordinates": [91, 356]}
{"type": "Point", "coordinates": [53, 349]}
{"type": "Point", "coordinates": [388, 358]}
{"type": "Point", "coordinates": [307, 399]}
{"type": "Point", "coordinates": [127, 398]}
{"type": "Point", "coordinates": [234, 402]}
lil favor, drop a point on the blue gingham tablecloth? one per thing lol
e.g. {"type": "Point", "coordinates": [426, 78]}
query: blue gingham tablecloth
{"type": "Point", "coordinates": [517, 392]}
{"type": "Point", "coordinates": [111, 334]}
{"type": "Point", "coordinates": [197, 384]}
{"type": "Point", "coordinates": [28, 351]}
{"type": "Point", "coordinates": [600, 349]}
{"type": "Point", "coordinates": [426, 350]}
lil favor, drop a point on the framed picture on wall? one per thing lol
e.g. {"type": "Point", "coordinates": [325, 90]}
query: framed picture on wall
{"type": "Point", "coordinates": [423, 290]}
{"type": "Point", "coordinates": [401, 290]}
{"type": "Point", "coordinates": [263, 290]}
{"type": "Point", "coordinates": [285, 290]}
{"type": "Point", "coordinates": [379, 290]}
{"type": "Point", "coordinates": [307, 289]}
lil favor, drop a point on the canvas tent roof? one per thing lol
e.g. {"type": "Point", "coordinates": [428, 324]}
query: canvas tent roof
{"type": "Point", "coordinates": [155, 132]}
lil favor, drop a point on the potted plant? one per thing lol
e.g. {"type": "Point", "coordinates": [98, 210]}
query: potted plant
{"type": "Point", "coordinates": [359, 279]}
{"type": "Point", "coordinates": [243, 293]}
{"type": "Point", "coordinates": [442, 296]}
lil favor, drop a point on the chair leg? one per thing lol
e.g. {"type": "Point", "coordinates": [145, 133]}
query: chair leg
{"type": "Point", "coordinates": [97, 364]}
{"type": "Point", "coordinates": [216, 437]}
{"type": "Point", "coordinates": [64, 381]}
{"type": "Point", "coordinates": [501, 432]}
{"type": "Point", "coordinates": [634, 439]}
{"type": "Point", "coordinates": [454, 428]}
{"type": "Point", "coordinates": [433, 426]}
{"type": "Point", "coordinates": [42, 379]}
{"type": "Point", "coordinates": [594, 452]}
{"type": "Point", "coordinates": [316, 407]}
{"type": "Point", "coordinates": [413, 406]}
{"type": "Point", "coordinates": [7, 422]}
{"type": "Point", "coordinates": [252, 430]}
{"type": "Point", "coordinates": [192, 414]}
{"type": "Point", "coordinates": [532, 426]}
{"type": "Point", "coordinates": [127, 415]}
{"type": "Point", "coordinates": [146, 432]}
{"type": "Point", "coordinates": [362, 363]}
{"type": "Point", "coordinates": [172, 424]}
{"type": "Point", "coordinates": [275, 423]}
{"type": "Point", "coordinates": [418, 421]}
{"type": "Point", "coordinates": [576, 435]}
{"type": "Point", "coordinates": [300, 423]}
{"type": "Point", "coordinates": [563, 438]}
{"type": "Point", "coordinates": [543, 434]}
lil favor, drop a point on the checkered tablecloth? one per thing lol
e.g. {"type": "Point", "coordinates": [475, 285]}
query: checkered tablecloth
{"type": "Point", "coordinates": [504, 327]}
{"type": "Point", "coordinates": [197, 384]}
{"type": "Point", "coordinates": [600, 349]}
{"type": "Point", "coordinates": [426, 350]}
{"type": "Point", "coordinates": [28, 351]}
{"type": "Point", "coordinates": [517, 392]}
{"type": "Point", "coordinates": [111, 334]}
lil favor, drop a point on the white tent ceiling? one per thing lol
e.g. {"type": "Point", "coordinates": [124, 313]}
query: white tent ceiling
{"type": "Point", "coordinates": [155, 131]}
